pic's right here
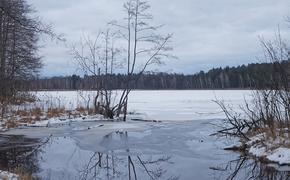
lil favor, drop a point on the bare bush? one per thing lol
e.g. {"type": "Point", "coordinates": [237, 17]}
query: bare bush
{"type": "Point", "coordinates": [269, 111]}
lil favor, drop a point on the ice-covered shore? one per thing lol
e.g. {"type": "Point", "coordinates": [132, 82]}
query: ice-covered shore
{"type": "Point", "coordinates": [270, 149]}
{"type": "Point", "coordinates": [164, 105]}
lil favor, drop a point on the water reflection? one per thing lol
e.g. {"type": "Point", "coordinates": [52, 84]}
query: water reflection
{"type": "Point", "coordinates": [101, 166]}
{"type": "Point", "coordinates": [37, 157]}
{"type": "Point", "coordinates": [19, 153]}
{"type": "Point", "coordinates": [61, 158]}
{"type": "Point", "coordinates": [112, 166]}
{"type": "Point", "coordinates": [247, 168]}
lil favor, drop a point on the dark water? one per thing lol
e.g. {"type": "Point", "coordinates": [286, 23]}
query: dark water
{"type": "Point", "coordinates": [171, 151]}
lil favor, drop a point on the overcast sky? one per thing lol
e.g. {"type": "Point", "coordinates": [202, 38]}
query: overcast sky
{"type": "Point", "coordinates": [207, 33]}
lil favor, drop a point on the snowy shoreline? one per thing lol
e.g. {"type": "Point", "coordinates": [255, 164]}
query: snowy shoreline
{"type": "Point", "coordinates": [9, 176]}
{"type": "Point", "coordinates": [149, 111]}
{"type": "Point", "coordinates": [265, 149]}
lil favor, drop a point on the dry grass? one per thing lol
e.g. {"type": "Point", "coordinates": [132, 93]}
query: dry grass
{"type": "Point", "coordinates": [91, 111]}
{"type": "Point", "coordinates": [11, 123]}
{"type": "Point", "coordinates": [81, 109]}
{"type": "Point", "coordinates": [22, 113]}
{"type": "Point", "coordinates": [37, 112]}
{"type": "Point", "coordinates": [23, 99]}
{"type": "Point", "coordinates": [32, 112]}
{"type": "Point", "coordinates": [85, 111]}
{"type": "Point", "coordinates": [73, 114]}
{"type": "Point", "coordinates": [23, 175]}
{"type": "Point", "coordinates": [28, 120]}
{"type": "Point", "coordinates": [55, 112]}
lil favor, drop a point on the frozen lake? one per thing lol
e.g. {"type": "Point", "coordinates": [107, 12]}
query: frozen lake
{"type": "Point", "coordinates": [179, 147]}
{"type": "Point", "coordinates": [174, 105]}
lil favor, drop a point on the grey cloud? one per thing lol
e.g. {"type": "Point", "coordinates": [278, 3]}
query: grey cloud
{"type": "Point", "coordinates": [207, 33]}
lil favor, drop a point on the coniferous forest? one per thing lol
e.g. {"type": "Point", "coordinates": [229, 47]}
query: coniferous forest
{"type": "Point", "coordinates": [249, 76]}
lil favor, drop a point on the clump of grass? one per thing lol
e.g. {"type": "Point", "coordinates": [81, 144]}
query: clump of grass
{"type": "Point", "coordinates": [37, 112]}
{"type": "Point", "coordinates": [81, 110]}
{"type": "Point", "coordinates": [30, 116]}
{"type": "Point", "coordinates": [55, 112]}
{"type": "Point", "coordinates": [23, 175]}
{"type": "Point", "coordinates": [85, 111]}
{"type": "Point", "coordinates": [11, 123]}
{"type": "Point", "coordinates": [22, 113]}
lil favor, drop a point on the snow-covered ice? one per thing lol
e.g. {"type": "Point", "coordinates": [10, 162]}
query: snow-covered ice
{"type": "Point", "coordinates": [164, 105]}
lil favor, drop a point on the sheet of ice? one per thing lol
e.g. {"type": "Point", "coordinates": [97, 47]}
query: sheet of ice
{"type": "Point", "coordinates": [165, 105]}
{"type": "Point", "coordinates": [65, 120]}
{"type": "Point", "coordinates": [69, 156]}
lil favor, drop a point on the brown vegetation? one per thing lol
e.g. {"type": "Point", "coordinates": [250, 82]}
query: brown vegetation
{"type": "Point", "coordinates": [33, 115]}
{"type": "Point", "coordinates": [268, 113]}
{"type": "Point", "coordinates": [55, 112]}
{"type": "Point", "coordinates": [23, 175]}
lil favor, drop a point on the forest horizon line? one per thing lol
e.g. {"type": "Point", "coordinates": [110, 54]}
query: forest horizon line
{"type": "Point", "coordinates": [247, 76]}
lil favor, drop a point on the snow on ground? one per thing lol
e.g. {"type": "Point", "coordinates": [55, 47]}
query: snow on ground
{"type": "Point", "coordinates": [65, 120]}
{"type": "Point", "coordinates": [164, 105]}
{"type": "Point", "coordinates": [62, 120]}
{"type": "Point", "coordinates": [169, 105]}
{"type": "Point", "coordinates": [273, 150]}
{"type": "Point", "coordinates": [8, 176]}
{"type": "Point", "coordinates": [280, 155]}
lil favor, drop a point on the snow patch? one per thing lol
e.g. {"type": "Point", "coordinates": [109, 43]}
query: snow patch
{"type": "Point", "coordinates": [280, 155]}
{"type": "Point", "coordinates": [8, 175]}
{"type": "Point", "coordinates": [258, 151]}
{"type": "Point", "coordinates": [61, 121]}
{"type": "Point", "coordinates": [269, 148]}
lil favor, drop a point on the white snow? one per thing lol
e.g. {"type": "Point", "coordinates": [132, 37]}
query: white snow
{"type": "Point", "coordinates": [182, 105]}
{"type": "Point", "coordinates": [256, 139]}
{"type": "Point", "coordinates": [56, 121]}
{"type": "Point", "coordinates": [164, 105]}
{"type": "Point", "coordinates": [280, 155]}
{"type": "Point", "coordinates": [258, 150]}
{"type": "Point", "coordinates": [8, 176]}
{"type": "Point", "coordinates": [269, 148]}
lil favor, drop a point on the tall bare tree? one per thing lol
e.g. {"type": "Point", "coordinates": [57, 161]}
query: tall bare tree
{"type": "Point", "coordinates": [144, 47]}
{"type": "Point", "coordinates": [19, 34]}
{"type": "Point", "coordinates": [97, 58]}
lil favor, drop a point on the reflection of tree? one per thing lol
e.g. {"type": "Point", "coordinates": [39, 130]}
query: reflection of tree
{"type": "Point", "coordinates": [246, 168]}
{"type": "Point", "coordinates": [20, 152]}
{"type": "Point", "coordinates": [127, 166]}
{"type": "Point", "coordinates": [104, 165]}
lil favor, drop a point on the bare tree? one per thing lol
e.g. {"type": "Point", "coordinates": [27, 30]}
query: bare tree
{"type": "Point", "coordinates": [97, 58]}
{"type": "Point", "coordinates": [19, 34]}
{"type": "Point", "coordinates": [144, 47]}
{"type": "Point", "coordinates": [269, 111]}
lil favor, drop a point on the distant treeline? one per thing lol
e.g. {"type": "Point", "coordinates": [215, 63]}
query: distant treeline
{"type": "Point", "coordinates": [241, 77]}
